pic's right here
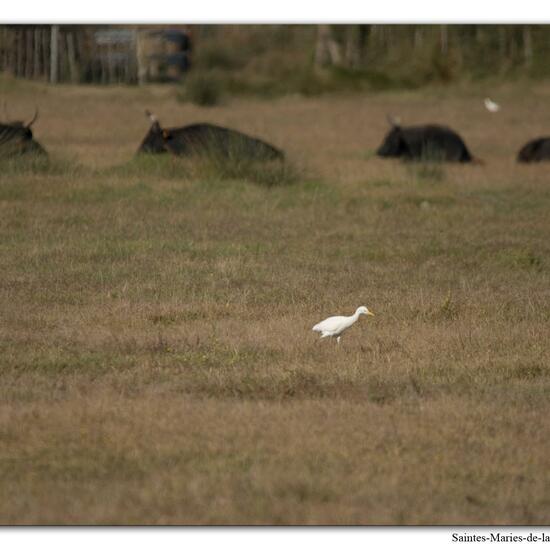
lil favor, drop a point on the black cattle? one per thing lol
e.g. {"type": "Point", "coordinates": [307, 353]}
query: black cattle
{"type": "Point", "coordinates": [203, 138]}
{"type": "Point", "coordinates": [16, 139]}
{"type": "Point", "coordinates": [428, 142]}
{"type": "Point", "coordinates": [535, 150]}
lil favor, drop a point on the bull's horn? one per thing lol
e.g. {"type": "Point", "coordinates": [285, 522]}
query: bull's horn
{"type": "Point", "coordinates": [33, 118]}
{"type": "Point", "coordinates": [151, 116]}
{"type": "Point", "coordinates": [393, 120]}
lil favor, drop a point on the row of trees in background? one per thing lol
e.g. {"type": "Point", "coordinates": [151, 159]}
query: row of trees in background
{"type": "Point", "coordinates": [396, 54]}
{"type": "Point", "coordinates": [473, 47]}
{"type": "Point", "coordinates": [281, 59]}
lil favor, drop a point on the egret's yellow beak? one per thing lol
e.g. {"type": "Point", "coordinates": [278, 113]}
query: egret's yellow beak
{"type": "Point", "coordinates": [370, 313]}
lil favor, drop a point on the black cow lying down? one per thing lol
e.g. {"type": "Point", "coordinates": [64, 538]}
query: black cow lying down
{"type": "Point", "coordinates": [16, 139]}
{"type": "Point", "coordinates": [428, 142]}
{"type": "Point", "coordinates": [535, 150]}
{"type": "Point", "coordinates": [204, 138]}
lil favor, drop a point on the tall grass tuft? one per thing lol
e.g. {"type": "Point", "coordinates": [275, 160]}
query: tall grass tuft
{"type": "Point", "coordinates": [37, 165]}
{"type": "Point", "coordinates": [202, 88]}
{"type": "Point", "coordinates": [212, 165]}
{"type": "Point", "coordinates": [426, 172]}
{"type": "Point", "coordinates": [238, 162]}
{"type": "Point", "coordinates": [163, 166]}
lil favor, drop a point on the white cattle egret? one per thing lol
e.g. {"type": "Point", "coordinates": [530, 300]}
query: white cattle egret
{"type": "Point", "coordinates": [335, 326]}
{"type": "Point", "coordinates": [491, 106]}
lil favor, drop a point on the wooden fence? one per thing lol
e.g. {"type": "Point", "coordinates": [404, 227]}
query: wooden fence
{"type": "Point", "coordinates": [93, 54]}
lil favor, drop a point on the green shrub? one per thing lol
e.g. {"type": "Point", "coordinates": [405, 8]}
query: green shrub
{"type": "Point", "coordinates": [203, 89]}
{"type": "Point", "coordinates": [218, 57]}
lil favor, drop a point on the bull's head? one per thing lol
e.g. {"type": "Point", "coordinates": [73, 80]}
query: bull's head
{"type": "Point", "coordinates": [154, 140]}
{"type": "Point", "coordinates": [393, 145]}
{"type": "Point", "coordinates": [158, 139]}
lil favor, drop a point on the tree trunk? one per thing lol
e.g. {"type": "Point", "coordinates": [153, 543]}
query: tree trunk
{"type": "Point", "coordinates": [45, 53]}
{"type": "Point", "coordinates": [502, 47]}
{"type": "Point", "coordinates": [28, 52]}
{"type": "Point", "coordinates": [54, 53]}
{"type": "Point", "coordinates": [351, 54]}
{"type": "Point", "coordinates": [444, 39]}
{"type": "Point", "coordinates": [36, 53]}
{"type": "Point", "coordinates": [62, 57]}
{"type": "Point", "coordinates": [417, 38]}
{"type": "Point", "coordinates": [527, 46]}
{"type": "Point", "coordinates": [356, 38]}
{"type": "Point", "coordinates": [364, 33]}
{"type": "Point", "coordinates": [327, 50]}
{"type": "Point", "coordinates": [141, 56]}
{"type": "Point", "coordinates": [479, 33]}
{"type": "Point", "coordinates": [71, 57]}
{"type": "Point", "coordinates": [110, 66]}
{"type": "Point", "coordinates": [20, 67]}
{"type": "Point", "coordinates": [7, 40]}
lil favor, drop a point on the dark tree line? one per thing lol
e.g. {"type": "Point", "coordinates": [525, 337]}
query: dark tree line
{"type": "Point", "coordinates": [362, 46]}
{"type": "Point", "coordinates": [73, 53]}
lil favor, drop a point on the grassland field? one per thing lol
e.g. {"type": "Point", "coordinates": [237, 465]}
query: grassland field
{"type": "Point", "coordinates": [157, 363]}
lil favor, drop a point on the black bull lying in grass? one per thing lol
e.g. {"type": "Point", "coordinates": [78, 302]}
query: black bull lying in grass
{"type": "Point", "coordinates": [429, 142]}
{"type": "Point", "coordinates": [197, 139]}
{"type": "Point", "coordinates": [16, 139]}
{"type": "Point", "coordinates": [535, 150]}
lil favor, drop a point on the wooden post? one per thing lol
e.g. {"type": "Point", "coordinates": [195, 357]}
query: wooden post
{"type": "Point", "coordinates": [54, 52]}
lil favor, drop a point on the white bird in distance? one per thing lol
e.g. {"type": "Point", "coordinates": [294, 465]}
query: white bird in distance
{"type": "Point", "coordinates": [335, 326]}
{"type": "Point", "coordinates": [491, 106]}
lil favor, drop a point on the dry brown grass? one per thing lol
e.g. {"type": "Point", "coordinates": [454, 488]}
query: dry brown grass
{"type": "Point", "coordinates": [157, 362]}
